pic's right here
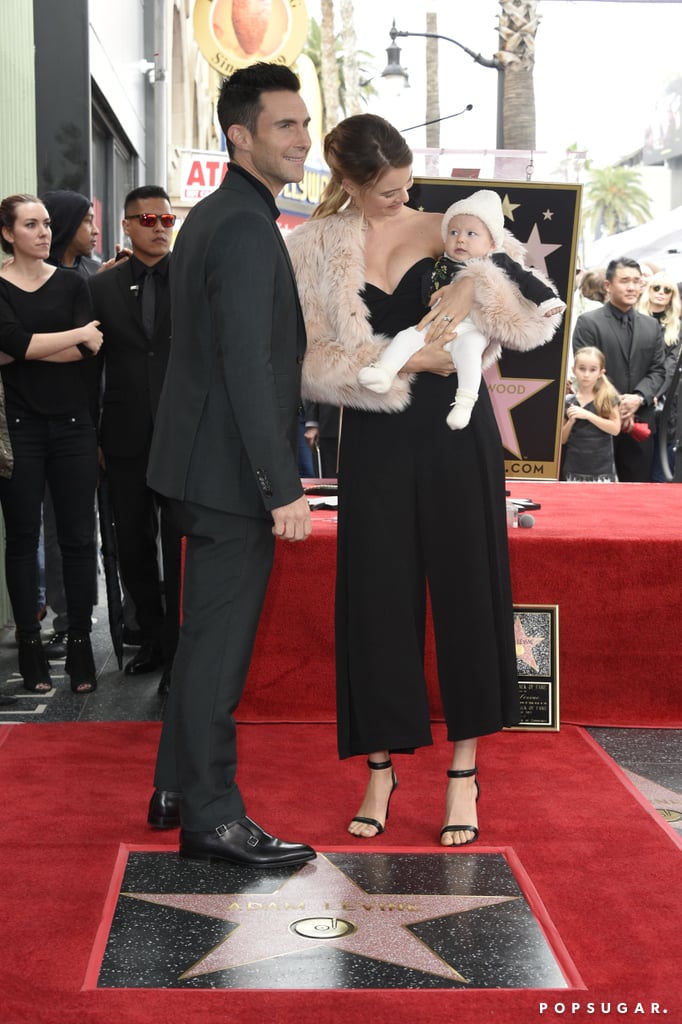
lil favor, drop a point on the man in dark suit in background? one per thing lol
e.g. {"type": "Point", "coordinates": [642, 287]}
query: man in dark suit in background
{"type": "Point", "coordinates": [224, 455]}
{"type": "Point", "coordinates": [132, 301]}
{"type": "Point", "coordinates": [322, 423]}
{"type": "Point", "coordinates": [633, 347]}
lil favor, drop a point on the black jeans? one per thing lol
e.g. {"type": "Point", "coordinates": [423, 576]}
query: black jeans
{"type": "Point", "coordinates": [62, 452]}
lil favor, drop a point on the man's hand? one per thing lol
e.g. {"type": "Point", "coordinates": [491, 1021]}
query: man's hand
{"type": "Point", "coordinates": [312, 436]}
{"type": "Point", "coordinates": [630, 405]}
{"type": "Point", "coordinates": [122, 253]}
{"type": "Point", "coordinates": [292, 522]}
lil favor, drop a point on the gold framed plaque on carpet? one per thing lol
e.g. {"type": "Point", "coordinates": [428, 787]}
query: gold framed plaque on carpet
{"type": "Point", "coordinates": [536, 634]}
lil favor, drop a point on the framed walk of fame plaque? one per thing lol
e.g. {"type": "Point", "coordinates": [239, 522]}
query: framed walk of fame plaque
{"type": "Point", "coordinates": [536, 634]}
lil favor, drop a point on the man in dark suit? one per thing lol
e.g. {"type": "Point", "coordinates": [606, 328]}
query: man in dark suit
{"type": "Point", "coordinates": [132, 301]}
{"type": "Point", "coordinates": [633, 346]}
{"type": "Point", "coordinates": [224, 456]}
{"type": "Point", "coordinates": [322, 423]}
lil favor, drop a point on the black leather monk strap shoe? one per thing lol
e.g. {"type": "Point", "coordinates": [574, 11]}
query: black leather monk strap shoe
{"type": "Point", "coordinates": [243, 842]}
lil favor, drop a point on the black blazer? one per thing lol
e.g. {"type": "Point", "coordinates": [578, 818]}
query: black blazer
{"type": "Point", "coordinates": [134, 366]}
{"type": "Point", "coordinates": [643, 370]}
{"type": "Point", "coordinates": [226, 431]}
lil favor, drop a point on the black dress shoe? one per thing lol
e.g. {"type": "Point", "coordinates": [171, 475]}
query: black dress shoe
{"type": "Point", "coordinates": [55, 647]}
{"type": "Point", "coordinates": [243, 842]}
{"type": "Point", "coordinates": [147, 659]}
{"type": "Point", "coordinates": [164, 682]}
{"type": "Point", "coordinates": [164, 809]}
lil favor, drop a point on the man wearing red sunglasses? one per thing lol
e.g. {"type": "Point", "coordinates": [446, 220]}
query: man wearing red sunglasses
{"type": "Point", "coordinates": [133, 305]}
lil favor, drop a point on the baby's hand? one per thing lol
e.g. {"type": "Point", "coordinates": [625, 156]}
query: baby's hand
{"type": "Point", "coordinates": [555, 309]}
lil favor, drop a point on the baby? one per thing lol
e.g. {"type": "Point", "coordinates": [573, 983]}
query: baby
{"type": "Point", "coordinates": [473, 229]}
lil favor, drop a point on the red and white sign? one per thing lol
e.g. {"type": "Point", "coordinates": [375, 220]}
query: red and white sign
{"type": "Point", "coordinates": [201, 173]}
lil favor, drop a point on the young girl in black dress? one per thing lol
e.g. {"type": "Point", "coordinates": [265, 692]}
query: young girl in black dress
{"type": "Point", "coordinates": [591, 422]}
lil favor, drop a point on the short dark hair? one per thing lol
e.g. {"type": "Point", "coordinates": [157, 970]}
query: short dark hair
{"type": "Point", "coordinates": [145, 192]}
{"type": "Point", "coordinates": [8, 215]}
{"type": "Point", "coordinates": [622, 261]}
{"type": "Point", "coordinates": [240, 94]}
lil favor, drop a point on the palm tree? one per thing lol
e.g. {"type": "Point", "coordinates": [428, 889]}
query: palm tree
{"type": "Point", "coordinates": [518, 23]}
{"type": "Point", "coordinates": [432, 92]}
{"type": "Point", "coordinates": [615, 199]}
{"type": "Point", "coordinates": [328, 65]}
{"type": "Point", "coordinates": [350, 58]}
{"type": "Point", "coordinates": [326, 51]}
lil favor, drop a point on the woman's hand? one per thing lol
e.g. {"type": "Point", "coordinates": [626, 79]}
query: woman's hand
{"type": "Point", "coordinates": [431, 358]}
{"type": "Point", "coordinates": [92, 337]}
{"type": "Point", "coordinates": [449, 306]}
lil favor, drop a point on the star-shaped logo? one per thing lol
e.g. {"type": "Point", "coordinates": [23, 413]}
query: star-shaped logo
{"type": "Point", "coordinates": [321, 907]}
{"type": "Point", "coordinates": [538, 251]}
{"type": "Point", "coordinates": [547, 214]}
{"type": "Point", "coordinates": [508, 207]}
{"type": "Point", "coordinates": [525, 644]}
{"type": "Point", "coordinates": [506, 393]}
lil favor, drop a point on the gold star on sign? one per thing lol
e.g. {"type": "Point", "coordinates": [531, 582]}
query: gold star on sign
{"type": "Point", "coordinates": [508, 207]}
{"type": "Point", "coordinates": [548, 214]}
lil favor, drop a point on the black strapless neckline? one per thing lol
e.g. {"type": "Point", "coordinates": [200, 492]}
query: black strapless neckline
{"type": "Point", "coordinates": [408, 272]}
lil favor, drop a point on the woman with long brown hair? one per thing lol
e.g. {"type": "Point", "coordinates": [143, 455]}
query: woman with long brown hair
{"type": "Point", "coordinates": [46, 330]}
{"type": "Point", "coordinates": [418, 503]}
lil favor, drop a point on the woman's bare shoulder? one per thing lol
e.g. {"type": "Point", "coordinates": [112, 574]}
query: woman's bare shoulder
{"type": "Point", "coordinates": [426, 223]}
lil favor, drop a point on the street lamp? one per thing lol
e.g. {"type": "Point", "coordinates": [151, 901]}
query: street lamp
{"type": "Point", "coordinates": [394, 71]}
{"type": "Point", "coordinates": [394, 74]}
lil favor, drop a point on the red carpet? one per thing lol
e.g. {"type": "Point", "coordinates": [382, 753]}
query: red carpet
{"type": "Point", "coordinates": [609, 556]}
{"type": "Point", "coordinates": [607, 870]}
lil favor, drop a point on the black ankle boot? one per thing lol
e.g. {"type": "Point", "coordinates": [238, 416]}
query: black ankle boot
{"type": "Point", "coordinates": [33, 663]}
{"type": "Point", "coordinates": [80, 664]}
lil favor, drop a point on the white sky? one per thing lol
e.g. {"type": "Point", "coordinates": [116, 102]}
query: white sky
{"type": "Point", "coordinates": [600, 66]}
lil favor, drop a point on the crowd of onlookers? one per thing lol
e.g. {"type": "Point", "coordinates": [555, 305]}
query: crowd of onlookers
{"type": "Point", "coordinates": [626, 330]}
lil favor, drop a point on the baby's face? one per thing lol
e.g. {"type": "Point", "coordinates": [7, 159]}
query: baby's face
{"type": "Point", "coordinates": [467, 237]}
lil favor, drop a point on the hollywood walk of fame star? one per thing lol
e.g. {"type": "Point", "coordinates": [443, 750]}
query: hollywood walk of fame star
{"type": "Point", "coordinates": [538, 251]}
{"type": "Point", "coordinates": [506, 393]}
{"type": "Point", "coordinates": [317, 907]}
{"type": "Point", "coordinates": [508, 207]}
{"type": "Point", "coordinates": [525, 644]}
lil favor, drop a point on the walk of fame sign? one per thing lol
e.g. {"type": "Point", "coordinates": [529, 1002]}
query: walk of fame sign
{"type": "Point", "coordinates": [527, 388]}
{"type": "Point", "coordinates": [343, 921]}
{"type": "Point", "coordinates": [536, 636]}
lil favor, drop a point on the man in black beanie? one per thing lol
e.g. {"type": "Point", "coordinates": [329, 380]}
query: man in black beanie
{"type": "Point", "coordinates": [74, 232]}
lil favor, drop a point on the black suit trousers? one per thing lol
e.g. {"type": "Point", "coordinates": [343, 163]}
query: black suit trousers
{"type": "Point", "coordinates": [228, 559]}
{"type": "Point", "coordinates": [137, 520]}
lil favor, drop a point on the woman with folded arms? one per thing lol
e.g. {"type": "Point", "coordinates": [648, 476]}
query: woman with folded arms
{"type": "Point", "coordinates": [46, 331]}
